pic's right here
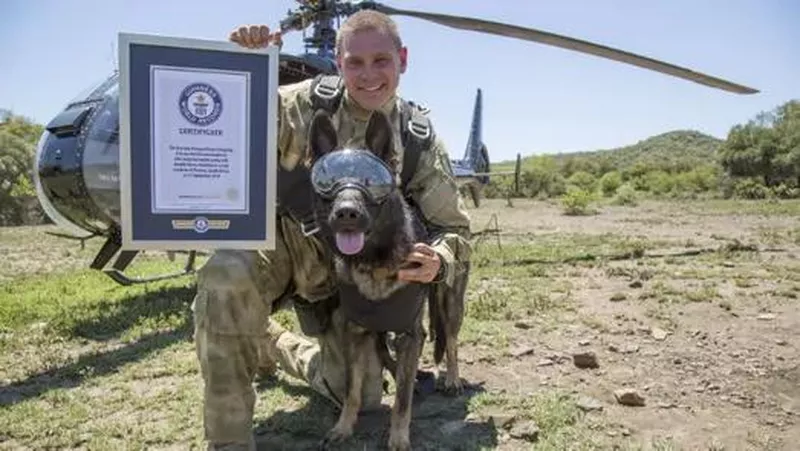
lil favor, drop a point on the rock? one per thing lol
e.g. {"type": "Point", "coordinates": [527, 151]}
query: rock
{"type": "Point", "coordinates": [629, 397]}
{"type": "Point", "coordinates": [636, 284]}
{"type": "Point", "coordinates": [618, 297]}
{"type": "Point", "coordinates": [525, 430]}
{"type": "Point", "coordinates": [521, 351]}
{"type": "Point", "coordinates": [502, 420]}
{"type": "Point", "coordinates": [766, 316]}
{"type": "Point", "coordinates": [584, 342]}
{"type": "Point", "coordinates": [658, 333]}
{"type": "Point", "coordinates": [545, 362]}
{"type": "Point", "coordinates": [585, 360]}
{"type": "Point", "coordinates": [781, 342]}
{"type": "Point", "coordinates": [523, 325]}
{"type": "Point", "coordinates": [588, 404]}
{"type": "Point", "coordinates": [629, 349]}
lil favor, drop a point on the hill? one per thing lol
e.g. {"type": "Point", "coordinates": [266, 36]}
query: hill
{"type": "Point", "coordinates": [674, 164]}
{"type": "Point", "coordinates": [674, 151]}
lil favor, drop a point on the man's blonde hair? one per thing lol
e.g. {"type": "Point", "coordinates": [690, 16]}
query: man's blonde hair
{"type": "Point", "coordinates": [371, 20]}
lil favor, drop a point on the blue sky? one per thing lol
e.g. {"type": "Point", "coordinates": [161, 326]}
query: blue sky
{"type": "Point", "coordinates": [537, 99]}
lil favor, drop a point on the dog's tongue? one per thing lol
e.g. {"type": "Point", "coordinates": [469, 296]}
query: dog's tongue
{"type": "Point", "coordinates": [350, 242]}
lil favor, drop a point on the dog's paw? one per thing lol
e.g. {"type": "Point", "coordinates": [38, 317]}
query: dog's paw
{"type": "Point", "coordinates": [399, 442]}
{"type": "Point", "coordinates": [450, 386]}
{"type": "Point", "coordinates": [335, 436]}
{"type": "Point", "coordinates": [453, 387]}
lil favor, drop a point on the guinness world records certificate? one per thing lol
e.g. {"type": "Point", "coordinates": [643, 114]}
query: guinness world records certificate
{"type": "Point", "coordinates": [198, 144]}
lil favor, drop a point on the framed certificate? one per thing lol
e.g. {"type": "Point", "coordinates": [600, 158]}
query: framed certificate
{"type": "Point", "coordinates": [198, 144]}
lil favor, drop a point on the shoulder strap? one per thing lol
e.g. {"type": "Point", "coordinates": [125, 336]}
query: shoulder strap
{"type": "Point", "coordinates": [417, 136]}
{"type": "Point", "coordinates": [415, 127]}
{"type": "Point", "coordinates": [326, 92]}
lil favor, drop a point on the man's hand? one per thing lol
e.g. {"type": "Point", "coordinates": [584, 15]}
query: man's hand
{"type": "Point", "coordinates": [255, 36]}
{"type": "Point", "coordinates": [429, 264]}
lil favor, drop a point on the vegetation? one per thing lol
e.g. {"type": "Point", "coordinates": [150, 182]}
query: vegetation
{"type": "Point", "coordinates": [757, 160]}
{"type": "Point", "coordinates": [18, 138]}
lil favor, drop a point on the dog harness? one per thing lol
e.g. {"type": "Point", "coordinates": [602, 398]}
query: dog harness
{"type": "Point", "coordinates": [394, 314]}
{"type": "Point", "coordinates": [295, 198]}
{"type": "Point", "coordinates": [294, 187]}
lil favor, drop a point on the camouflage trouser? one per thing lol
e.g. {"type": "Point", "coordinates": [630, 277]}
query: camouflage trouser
{"type": "Point", "coordinates": [236, 291]}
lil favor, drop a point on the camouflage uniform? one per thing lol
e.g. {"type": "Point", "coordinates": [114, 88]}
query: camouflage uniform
{"type": "Point", "coordinates": [237, 289]}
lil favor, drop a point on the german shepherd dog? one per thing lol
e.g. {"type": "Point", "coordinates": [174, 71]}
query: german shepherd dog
{"type": "Point", "coordinates": [372, 229]}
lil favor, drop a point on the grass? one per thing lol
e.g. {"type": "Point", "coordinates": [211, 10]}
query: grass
{"type": "Point", "coordinates": [86, 363]}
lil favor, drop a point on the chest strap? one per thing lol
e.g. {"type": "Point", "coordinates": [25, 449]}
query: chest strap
{"type": "Point", "coordinates": [416, 135]}
{"type": "Point", "coordinates": [395, 314]}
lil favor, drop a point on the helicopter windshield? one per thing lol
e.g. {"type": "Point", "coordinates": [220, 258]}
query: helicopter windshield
{"type": "Point", "coordinates": [92, 162]}
{"type": "Point", "coordinates": [97, 90]}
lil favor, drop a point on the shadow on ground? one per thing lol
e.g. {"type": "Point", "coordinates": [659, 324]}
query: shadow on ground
{"type": "Point", "coordinates": [105, 362]}
{"type": "Point", "coordinates": [438, 423]}
{"type": "Point", "coordinates": [112, 319]}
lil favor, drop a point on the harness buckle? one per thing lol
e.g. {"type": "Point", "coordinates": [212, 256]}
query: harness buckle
{"type": "Point", "coordinates": [420, 129]}
{"type": "Point", "coordinates": [309, 227]}
{"type": "Point", "coordinates": [326, 90]}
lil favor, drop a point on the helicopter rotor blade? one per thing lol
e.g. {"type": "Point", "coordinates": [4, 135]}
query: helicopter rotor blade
{"type": "Point", "coordinates": [529, 34]}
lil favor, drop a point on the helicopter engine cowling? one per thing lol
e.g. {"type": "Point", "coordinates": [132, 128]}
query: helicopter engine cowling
{"type": "Point", "coordinates": [77, 158]}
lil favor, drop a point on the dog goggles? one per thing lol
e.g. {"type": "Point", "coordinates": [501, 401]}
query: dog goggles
{"type": "Point", "coordinates": [359, 169]}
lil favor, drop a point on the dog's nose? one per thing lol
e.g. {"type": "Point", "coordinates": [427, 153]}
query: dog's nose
{"type": "Point", "coordinates": [347, 212]}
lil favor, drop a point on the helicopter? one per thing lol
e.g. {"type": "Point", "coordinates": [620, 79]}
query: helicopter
{"type": "Point", "coordinates": [76, 167]}
{"type": "Point", "coordinates": [472, 171]}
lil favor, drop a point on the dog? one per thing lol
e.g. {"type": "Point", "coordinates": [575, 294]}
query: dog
{"type": "Point", "coordinates": [372, 229]}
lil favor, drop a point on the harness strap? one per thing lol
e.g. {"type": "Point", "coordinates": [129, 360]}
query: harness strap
{"type": "Point", "coordinates": [417, 136]}
{"type": "Point", "coordinates": [326, 92]}
{"type": "Point", "coordinates": [416, 133]}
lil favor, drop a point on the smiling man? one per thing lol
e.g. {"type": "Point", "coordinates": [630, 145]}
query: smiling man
{"type": "Point", "coordinates": [237, 291]}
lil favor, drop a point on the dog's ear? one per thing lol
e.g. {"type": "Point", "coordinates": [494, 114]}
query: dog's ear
{"type": "Point", "coordinates": [378, 137]}
{"type": "Point", "coordinates": [321, 135]}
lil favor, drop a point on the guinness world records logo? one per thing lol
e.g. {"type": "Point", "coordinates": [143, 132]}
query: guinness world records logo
{"type": "Point", "coordinates": [200, 104]}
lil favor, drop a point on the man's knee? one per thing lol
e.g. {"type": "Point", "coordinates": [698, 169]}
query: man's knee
{"type": "Point", "coordinates": [228, 300]}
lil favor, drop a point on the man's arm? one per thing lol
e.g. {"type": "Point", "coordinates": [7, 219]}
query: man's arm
{"type": "Point", "coordinates": [435, 192]}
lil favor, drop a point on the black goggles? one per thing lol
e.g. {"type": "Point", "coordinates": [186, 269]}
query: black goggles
{"type": "Point", "coordinates": [359, 169]}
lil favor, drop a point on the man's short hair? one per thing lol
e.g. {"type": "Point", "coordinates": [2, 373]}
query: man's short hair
{"type": "Point", "coordinates": [368, 20]}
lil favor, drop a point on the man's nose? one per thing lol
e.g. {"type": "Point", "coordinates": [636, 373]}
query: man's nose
{"type": "Point", "coordinates": [367, 72]}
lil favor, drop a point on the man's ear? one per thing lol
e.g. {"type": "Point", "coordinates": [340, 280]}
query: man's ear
{"type": "Point", "coordinates": [378, 136]}
{"type": "Point", "coordinates": [321, 135]}
{"type": "Point", "coordinates": [403, 59]}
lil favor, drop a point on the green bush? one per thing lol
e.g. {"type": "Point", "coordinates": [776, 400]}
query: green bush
{"type": "Point", "coordinates": [750, 188]}
{"type": "Point", "coordinates": [626, 196]}
{"type": "Point", "coordinates": [584, 181]}
{"type": "Point", "coordinates": [576, 202]}
{"type": "Point", "coordinates": [610, 182]}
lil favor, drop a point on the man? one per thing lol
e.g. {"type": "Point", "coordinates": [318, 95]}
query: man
{"type": "Point", "coordinates": [237, 290]}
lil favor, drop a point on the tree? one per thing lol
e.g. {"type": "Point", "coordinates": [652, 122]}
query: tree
{"type": "Point", "coordinates": [18, 138]}
{"type": "Point", "coordinates": [766, 147]}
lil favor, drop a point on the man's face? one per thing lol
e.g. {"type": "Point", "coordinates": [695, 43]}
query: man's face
{"type": "Point", "coordinates": [371, 67]}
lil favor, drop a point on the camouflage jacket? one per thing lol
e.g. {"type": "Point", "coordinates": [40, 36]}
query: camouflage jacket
{"type": "Point", "coordinates": [432, 187]}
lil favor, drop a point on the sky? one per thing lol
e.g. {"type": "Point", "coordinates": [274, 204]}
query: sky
{"type": "Point", "coordinates": [537, 99]}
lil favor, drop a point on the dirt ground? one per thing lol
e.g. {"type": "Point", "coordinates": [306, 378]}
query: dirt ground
{"type": "Point", "coordinates": [659, 326]}
{"type": "Point", "coordinates": [709, 343]}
